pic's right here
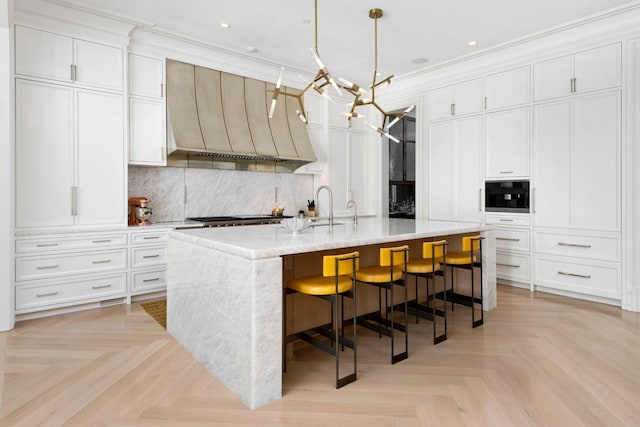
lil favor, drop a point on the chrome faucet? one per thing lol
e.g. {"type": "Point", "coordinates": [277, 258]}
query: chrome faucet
{"type": "Point", "coordinates": [355, 210]}
{"type": "Point", "coordinates": [326, 187]}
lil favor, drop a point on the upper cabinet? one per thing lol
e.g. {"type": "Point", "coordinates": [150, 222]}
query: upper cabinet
{"type": "Point", "coordinates": [147, 111]}
{"type": "Point", "coordinates": [456, 100]}
{"type": "Point", "coordinates": [52, 56]}
{"type": "Point", "coordinates": [585, 71]}
{"type": "Point", "coordinates": [508, 89]}
{"type": "Point", "coordinates": [507, 143]}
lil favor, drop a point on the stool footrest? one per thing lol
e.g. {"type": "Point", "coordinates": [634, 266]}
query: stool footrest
{"type": "Point", "coordinates": [367, 320]}
{"type": "Point", "coordinates": [461, 299]}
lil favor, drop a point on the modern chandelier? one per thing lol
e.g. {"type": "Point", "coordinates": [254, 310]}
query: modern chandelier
{"type": "Point", "coordinates": [362, 97]}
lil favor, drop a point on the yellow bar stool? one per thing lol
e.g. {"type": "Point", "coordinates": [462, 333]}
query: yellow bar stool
{"type": "Point", "coordinates": [385, 276]}
{"type": "Point", "coordinates": [469, 258]}
{"type": "Point", "coordinates": [433, 263]}
{"type": "Point", "coordinates": [336, 282]}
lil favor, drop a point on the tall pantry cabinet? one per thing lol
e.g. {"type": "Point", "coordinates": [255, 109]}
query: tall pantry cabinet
{"type": "Point", "coordinates": [69, 131]}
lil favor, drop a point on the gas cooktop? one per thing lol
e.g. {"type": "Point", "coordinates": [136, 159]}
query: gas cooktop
{"type": "Point", "coordinates": [225, 221]}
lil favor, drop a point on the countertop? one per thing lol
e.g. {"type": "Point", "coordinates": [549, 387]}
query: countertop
{"type": "Point", "coordinates": [267, 241]}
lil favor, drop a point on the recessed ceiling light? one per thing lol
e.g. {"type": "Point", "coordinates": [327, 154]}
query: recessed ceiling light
{"type": "Point", "coordinates": [225, 25]}
{"type": "Point", "coordinates": [252, 49]}
{"type": "Point", "coordinates": [420, 60]}
{"type": "Point", "coordinates": [473, 43]}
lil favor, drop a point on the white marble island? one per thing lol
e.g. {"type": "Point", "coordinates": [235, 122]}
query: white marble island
{"type": "Point", "coordinates": [224, 290]}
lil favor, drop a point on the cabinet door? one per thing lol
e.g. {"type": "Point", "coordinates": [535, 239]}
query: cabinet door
{"type": "Point", "coordinates": [440, 101]}
{"type": "Point", "coordinates": [467, 160]}
{"type": "Point", "coordinates": [43, 54]}
{"type": "Point", "coordinates": [314, 106]}
{"type": "Point", "coordinates": [146, 76]}
{"type": "Point", "coordinates": [507, 89]}
{"type": "Point", "coordinates": [552, 79]}
{"type": "Point", "coordinates": [147, 143]}
{"type": "Point", "coordinates": [507, 139]}
{"type": "Point", "coordinates": [439, 169]}
{"type": "Point", "coordinates": [552, 160]}
{"type": "Point", "coordinates": [338, 173]}
{"type": "Point", "coordinates": [100, 158]}
{"type": "Point", "coordinates": [468, 97]}
{"type": "Point", "coordinates": [44, 154]}
{"type": "Point", "coordinates": [598, 68]}
{"type": "Point", "coordinates": [98, 65]}
{"type": "Point", "coordinates": [595, 157]}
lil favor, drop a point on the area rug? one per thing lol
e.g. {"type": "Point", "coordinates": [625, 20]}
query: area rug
{"type": "Point", "coordinates": [157, 310]}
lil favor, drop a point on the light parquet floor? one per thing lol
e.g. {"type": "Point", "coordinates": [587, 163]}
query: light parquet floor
{"type": "Point", "coordinates": [537, 360]}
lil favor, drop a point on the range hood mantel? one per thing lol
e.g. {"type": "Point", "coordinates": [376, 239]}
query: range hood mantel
{"type": "Point", "coordinates": [225, 116]}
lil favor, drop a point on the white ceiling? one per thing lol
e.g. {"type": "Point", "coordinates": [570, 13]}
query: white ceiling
{"type": "Point", "coordinates": [282, 31]}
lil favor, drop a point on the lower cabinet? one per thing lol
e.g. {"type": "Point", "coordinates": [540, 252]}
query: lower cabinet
{"type": "Point", "coordinates": [67, 271]}
{"type": "Point", "coordinates": [62, 270]}
{"type": "Point", "coordinates": [148, 262]}
{"type": "Point", "coordinates": [513, 247]}
{"type": "Point", "coordinates": [578, 261]}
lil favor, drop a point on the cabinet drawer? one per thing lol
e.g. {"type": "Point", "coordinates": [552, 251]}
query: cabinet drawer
{"type": "Point", "coordinates": [57, 243]}
{"type": "Point", "coordinates": [147, 256]}
{"type": "Point", "coordinates": [512, 239]}
{"type": "Point", "coordinates": [513, 266]}
{"type": "Point", "coordinates": [148, 237]}
{"type": "Point", "coordinates": [508, 220]}
{"type": "Point", "coordinates": [582, 246]}
{"type": "Point", "coordinates": [148, 280]}
{"type": "Point", "coordinates": [587, 278]}
{"type": "Point", "coordinates": [30, 296]}
{"type": "Point", "coordinates": [41, 267]}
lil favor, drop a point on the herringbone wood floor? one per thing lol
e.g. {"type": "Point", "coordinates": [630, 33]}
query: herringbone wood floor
{"type": "Point", "coordinates": [537, 360]}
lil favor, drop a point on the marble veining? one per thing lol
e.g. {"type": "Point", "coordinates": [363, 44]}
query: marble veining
{"type": "Point", "coordinates": [179, 193]}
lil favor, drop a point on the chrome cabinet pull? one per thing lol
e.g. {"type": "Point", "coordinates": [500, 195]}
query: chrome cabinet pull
{"type": "Point", "coordinates": [101, 241]}
{"type": "Point", "coordinates": [453, 109]}
{"type": "Point", "coordinates": [151, 256]}
{"type": "Point", "coordinates": [47, 267]}
{"type": "Point", "coordinates": [50, 294]}
{"type": "Point", "coordinates": [104, 261]}
{"type": "Point", "coordinates": [151, 237]}
{"type": "Point", "coordinates": [574, 245]}
{"type": "Point", "coordinates": [510, 239]}
{"type": "Point", "coordinates": [485, 102]}
{"type": "Point", "coordinates": [71, 72]}
{"type": "Point", "coordinates": [533, 200]}
{"type": "Point", "coordinates": [582, 276]}
{"type": "Point", "coordinates": [575, 85]}
{"type": "Point", "coordinates": [74, 201]}
{"type": "Point", "coordinates": [507, 265]}
{"type": "Point", "coordinates": [161, 90]}
{"type": "Point", "coordinates": [46, 245]}
{"type": "Point", "coordinates": [101, 287]}
{"type": "Point", "coordinates": [480, 200]}
{"type": "Point", "coordinates": [506, 171]}
{"type": "Point", "coordinates": [155, 279]}
{"type": "Point", "coordinates": [506, 220]}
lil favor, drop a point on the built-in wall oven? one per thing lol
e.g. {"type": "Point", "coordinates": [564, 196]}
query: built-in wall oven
{"type": "Point", "coordinates": [507, 196]}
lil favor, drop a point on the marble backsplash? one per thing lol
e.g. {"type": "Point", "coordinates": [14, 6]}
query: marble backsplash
{"type": "Point", "coordinates": [178, 193]}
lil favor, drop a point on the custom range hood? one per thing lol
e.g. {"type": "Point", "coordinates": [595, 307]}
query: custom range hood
{"type": "Point", "coordinates": [222, 118]}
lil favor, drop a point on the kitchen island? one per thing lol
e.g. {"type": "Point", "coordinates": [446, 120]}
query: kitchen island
{"type": "Point", "coordinates": [224, 289]}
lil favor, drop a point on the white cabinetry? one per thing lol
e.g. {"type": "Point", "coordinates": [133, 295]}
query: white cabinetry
{"type": "Point", "coordinates": [576, 163]}
{"type": "Point", "coordinates": [586, 71]}
{"type": "Point", "coordinates": [148, 261]}
{"type": "Point", "coordinates": [147, 129]}
{"type": "Point", "coordinates": [456, 100]}
{"type": "Point", "coordinates": [513, 247]}
{"type": "Point", "coordinates": [52, 56]}
{"type": "Point", "coordinates": [56, 271]}
{"type": "Point", "coordinates": [507, 143]}
{"type": "Point", "coordinates": [69, 156]}
{"type": "Point", "coordinates": [508, 88]}
{"type": "Point", "coordinates": [455, 170]}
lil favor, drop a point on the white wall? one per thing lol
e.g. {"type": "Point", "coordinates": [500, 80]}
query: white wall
{"type": "Point", "coordinates": [6, 170]}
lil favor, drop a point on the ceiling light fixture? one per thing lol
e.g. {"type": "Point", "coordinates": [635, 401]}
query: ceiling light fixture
{"type": "Point", "coordinates": [473, 43]}
{"type": "Point", "coordinates": [225, 25]}
{"type": "Point", "coordinates": [322, 79]}
{"type": "Point", "coordinates": [387, 118]}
